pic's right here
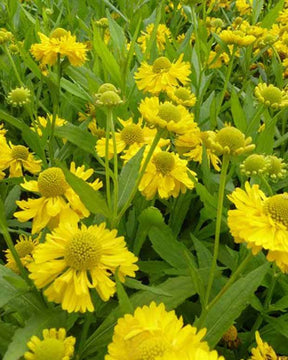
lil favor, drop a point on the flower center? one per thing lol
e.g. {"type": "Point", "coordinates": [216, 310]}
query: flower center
{"type": "Point", "coordinates": [131, 134]}
{"type": "Point", "coordinates": [230, 137]}
{"type": "Point", "coordinates": [19, 95]}
{"type": "Point", "coordinates": [182, 93]}
{"type": "Point", "coordinates": [169, 112]}
{"type": "Point", "coordinates": [164, 162]}
{"type": "Point", "coordinates": [276, 165]}
{"type": "Point", "coordinates": [162, 64]}
{"type": "Point", "coordinates": [19, 152]}
{"type": "Point", "coordinates": [58, 33]}
{"type": "Point", "coordinates": [49, 349]}
{"type": "Point", "coordinates": [109, 98]}
{"type": "Point", "coordinates": [255, 163]}
{"type": "Point", "coordinates": [277, 207]}
{"type": "Point", "coordinates": [106, 87]}
{"type": "Point", "coordinates": [151, 349]}
{"type": "Point", "coordinates": [83, 251]}
{"type": "Point", "coordinates": [272, 94]}
{"type": "Point", "coordinates": [52, 182]}
{"type": "Point", "coordinates": [24, 248]}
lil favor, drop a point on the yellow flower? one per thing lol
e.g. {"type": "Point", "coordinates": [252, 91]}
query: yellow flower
{"type": "Point", "coordinates": [42, 123]}
{"type": "Point", "coordinates": [277, 169]}
{"type": "Point", "coordinates": [162, 75]}
{"type": "Point", "coordinates": [19, 96]}
{"type": "Point", "coordinates": [54, 345]}
{"type": "Point", "coordinates": [181, 96]}
{"type": "Point", "coordinates": [175, 118]}
{"type": "Point", "coordinates": [16, 157]}
{"type": "Point", "coordinates": [236, 37]}
{"type": "Point", "coordinates": [261, 222]}
{"type": "Point", "coordinates": [58, 200]}
{"type": "Point", "coordinates": [24, 247]}
{"type": "Point", "coordinates": [216, 60]}
{"type": "Point", "coordinates": [271, 96]}
{"type": "Point", "coordinates": [263, 351]}
{"type": "Point", "coordinates": [61, 43]}
{"type": "Point", "coordinates": [244, 6]}
{"type": "Point", "coordinates": [255, 164]}
{"type": "Point", "coordinates": [156, 334]}
{"type": "Point", "coordinates": [162, 34]}
{"type": "Point", "coordinates": [191, 144]}
{"type": "Point", "coordinates": [74, 260]}
{"type": "Point", "coordinates": [230, 140]}
{"type": "Point", "coordinates": [132, 137]}
{"type": "Point", "coordinates": [167, 175]}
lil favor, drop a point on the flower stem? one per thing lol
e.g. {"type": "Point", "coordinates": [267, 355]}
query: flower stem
{"type": "Point", "coordinates": [225, 164]}
{"type": "Point", "coordinates": [13, 64]}
{"type": "Point", "coordinates": [107, 168]}
{"type": "Point", "coordinates": [254, 121]}
{"type": "Point", "coordinates": [141, 173]}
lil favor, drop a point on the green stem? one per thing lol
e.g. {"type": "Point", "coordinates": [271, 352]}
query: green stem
{"type": "Point", "coordinates": [107, 168]}
{"type": "Point", "coordinates": [268, 187]}
{"type": "Point", "coordinates": [141, 173]}
{"type": "Point", "coordinates": [231, 280]}
{"type": "Point", "coordinates": [84, 331]}
{"type": "Point", "coordinates": [253, 124]}
{"type": "Point", "coordinates": [13, 64]}
{"type": "Point", "coordinates": [225, 164]}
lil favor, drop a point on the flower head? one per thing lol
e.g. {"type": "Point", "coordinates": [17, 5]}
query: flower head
{"type": "Point", "coordinates": [263, 350]}
{"type": "Point", "coordinates": [162, 75]}
{"type": "Point", "coordinates": [271, 96]}
{"type": "Point", "coordinates": [156, 334]}
{"type": "Point", "coordinates": [60, 43]}
{"type": "Point", "coordinates": [167, 175]}
{"type": "Point", "coordinates": [5, 36]}
{"type": "Point", "coordinates": [230, 140]}
{"type": "Point", "coordinates": [175, 118]}
{"type": "Point", "coordinates": [42, 122]}
{"type": "Point", "coordinates": [162, 34]}
{"type": "Point", "coordinates": [74, 260]}
{"type": "Point", "coordinates": [236, 37]}
{"type": "Point", "coordinates": [255, 164]}
{"type": "Point", "coordinates": [58, 200]}
{"type": "Point", "coordinates": [24, 247]}
{"type": "Point", "coordinates": [54, 345]}
{"type": "Point", "coordinates": [261, 222]}
{"type": "Point", "coordinates": [181, 96]}
{"type": "Point", "coordinates": [19, 96]}
{"type": "Point", "coordinates": [277, 168]}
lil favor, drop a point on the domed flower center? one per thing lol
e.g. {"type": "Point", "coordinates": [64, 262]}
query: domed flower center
{"type": "Point", "coordinates": [276, 165]}
{"type": "Point", "coordinates": [231, 334]}
{"type": "Point", "coordinates": [182, 93]}
{"type": "Point", "coordinates": [132, 134]}
{"type": "Point", "coordinates": [169, 112]}
{"type": "Point", "coordinates": [49, 349]}
{"type": "Point", "coordinates": [19, 95]}
{"type": "Point", "coordinates": [230, 137]}
{"type": "Point", "coordinates": [162, 64]}
{"type": "Point", "coordinates": [109, 98]}
{"type": "Point", "coordinates": [58, 33]}
{"type": "Point", "coordinates": [277, 207]}
{"type": "Point", "coordinates": [151, 349]}
{"type": "Point", "coordinates": [106, 87]}
{"type": "Point", "coordinates": [52, 182]}
{"type": "Point", "coordinates": [19, 152]}
{"type": "Point", "coordinates": [24, 248]}
{"type": "Point", "coordinates": [255, 163]}
{"type": "Point", "coordinates": [83, 251]}
{"type": "Point", "coordinates": [164, 162]}
{"type": "Point", "coordinates": [272, 94]}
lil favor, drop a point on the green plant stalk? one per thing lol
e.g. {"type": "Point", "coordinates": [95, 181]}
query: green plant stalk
{"type": "Point", "coordinates": [225, 164]}
{"type": "Point", "coordinates": [115, 158]}
{"type": "Point", "coordinates": [55, 112]}
{"type": "Point", "coordinates": [141, 173]}
{"type": "Point", "coordinates": [227, 77]}
{"type": "Point", "coordinates": [255, 118]}
{"type": "Point", "coordinates": [232, 279]}
{"type": "Point", "coordinates": [84, 331]}
{"type": "Point", "coordinates": [13, 64]}
{"type": "Point", "coordinates": [268, 187]}
{"type": "Point", "coordinates": [107, 168]}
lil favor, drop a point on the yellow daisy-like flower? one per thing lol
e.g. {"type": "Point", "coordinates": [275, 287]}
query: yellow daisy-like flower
{"type": "Point", "coordinates": [271, 96]}
{"type": "Point", "coordinates": [74, 260]}
{"type": "Point", "coordinates": [261, 222]}
{"type": "Point", "coordinates": [263, 351]}
{"type": "Point", "coordinates": [236, 37]}
{"type": "Point", "coordinates": [58, 200]}
{"type": "Point", "coordinates": [62, 43]}
{"type": "Point", "coordinates": [167, 175]}
{"type": "Point", "coordinates": [54, 345]}
{"type": "Point", "coordinates": [181, 96]}
{"type": "Point", "coordinates": [16, 157]}
{"type": "Point", "coordinates": [175, 118]}
{"type": "Point", "coordinates": [24, 247]}
{"type": "Point", "coordinates": [132, 137]}
{"type": "Point", "coordinates": [42, 122]}
{"type": "Point", "coordinates": [162, 34]}
{"type": "Point", "coordinates": [244, 6]}
{"type": "Point", "coordinates": [156, 334]}
{"type": "Point", "coordinates": [162, 75]}
{"type": "Point", "coordinates": [230, 140]}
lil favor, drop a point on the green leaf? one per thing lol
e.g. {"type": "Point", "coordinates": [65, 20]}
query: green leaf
{"type": "Point", "coordinates": [228, 308]}
{"type": "Point", "coordinates": [124, 301]}
{"type": "Point", "coordinates": [92, 199]}
{"type": "Point", "coordinates": [6, 333]}
{"type": "Point", "coordinates": [135, 284]}
{"type": "Point", "coordinates": [238, 114]}
{"type": "Point", "coordinates": [272, 15]}
{"type": "Point", "coordinates": [128, 176]}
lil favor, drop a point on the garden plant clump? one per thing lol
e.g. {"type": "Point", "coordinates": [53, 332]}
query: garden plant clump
{"type": "Point", "coordinates": [143, 180]}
